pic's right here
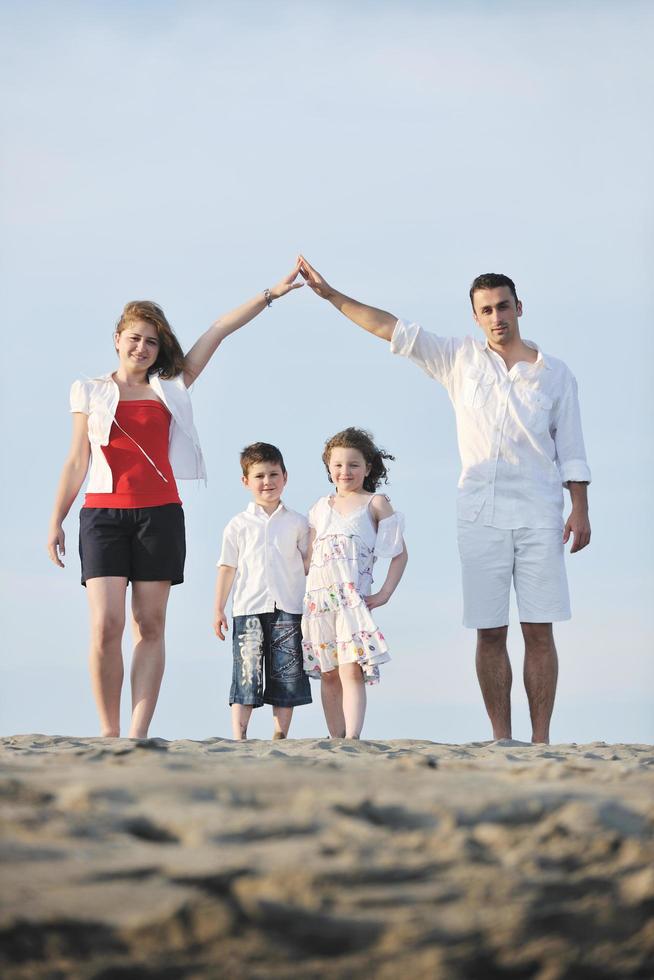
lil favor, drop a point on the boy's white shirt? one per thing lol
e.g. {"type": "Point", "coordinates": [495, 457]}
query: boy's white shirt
{"type": "Point", "coordinates": [268, 555]}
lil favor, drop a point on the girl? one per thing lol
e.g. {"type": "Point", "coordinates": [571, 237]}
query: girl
{"type": "Point", "coordinates": [349, 531]}
{"type": "Point", "coordinates": [135, 426]}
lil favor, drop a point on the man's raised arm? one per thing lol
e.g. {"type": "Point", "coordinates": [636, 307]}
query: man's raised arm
{"type": "Point", "coordinates": [375, 321]}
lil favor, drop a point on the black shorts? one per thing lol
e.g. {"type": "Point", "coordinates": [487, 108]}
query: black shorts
{"type": "Point", "coordinates": [144, 544]}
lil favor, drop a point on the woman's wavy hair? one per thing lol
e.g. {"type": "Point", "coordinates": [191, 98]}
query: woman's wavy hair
{"type": "Point", "coordinates": [170, 361]}
{"type": "Point", "coordinates": [352, 438]}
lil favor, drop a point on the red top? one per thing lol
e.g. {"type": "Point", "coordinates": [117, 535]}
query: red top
{"type": "Point", "coordinates": [136, 482]}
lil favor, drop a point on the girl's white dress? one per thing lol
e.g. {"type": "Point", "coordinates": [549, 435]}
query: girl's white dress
{"type": "Point", "coordinates": [337, 627]}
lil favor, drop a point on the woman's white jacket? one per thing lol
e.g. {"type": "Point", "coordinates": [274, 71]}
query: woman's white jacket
{"type": "Point", "coordinates": [98, 397]}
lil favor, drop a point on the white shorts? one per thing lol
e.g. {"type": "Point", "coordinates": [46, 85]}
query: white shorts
{"type": "Point", "coordinates": [532, 557]}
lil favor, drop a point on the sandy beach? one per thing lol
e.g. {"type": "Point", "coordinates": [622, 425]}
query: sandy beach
{"type": "Point", "coordinates": [319, 858]}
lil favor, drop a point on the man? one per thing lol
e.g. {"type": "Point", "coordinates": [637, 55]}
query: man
{"type": "Point", "coordinates": [520, 441]}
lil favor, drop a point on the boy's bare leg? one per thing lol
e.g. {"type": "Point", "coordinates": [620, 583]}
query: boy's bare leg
{"type": "Point", "coordinates": [541, 670]}
{"type": "Point", "coordinates": [331, 693]}
{"type": "Point", "coordinates": [494, 674]}
{"type": "Point", "coordinates": [240, 719]}
{"type": "Point", "coordinates": [354, 698]}
{"type": "Point", "coordinates": [281, 721]}
{"type": "Point", "coordinates": [106, 598]}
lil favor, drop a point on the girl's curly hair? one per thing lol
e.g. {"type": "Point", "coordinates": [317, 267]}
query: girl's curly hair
{"type": "Point", "coordinates": [352, 438]}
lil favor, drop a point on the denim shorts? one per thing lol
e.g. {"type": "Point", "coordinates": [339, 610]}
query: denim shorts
{"type": "Point", "coordinates": [270, 642]}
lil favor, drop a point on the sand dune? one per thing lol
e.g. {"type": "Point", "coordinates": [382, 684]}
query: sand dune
{"type": "Point", "coordinates": [319, 858]}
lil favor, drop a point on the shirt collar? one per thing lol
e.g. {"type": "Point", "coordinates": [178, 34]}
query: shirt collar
{"type": "Point", "coordinates": [541, 360]}
{"type": "Point", "coordinates": [258, 510]}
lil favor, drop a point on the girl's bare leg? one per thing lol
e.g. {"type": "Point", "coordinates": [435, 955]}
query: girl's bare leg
{"type": "Point", "coordinates": [149, 600]}
{"type": "Point", "coordinates": [331, 693]}
{"type": "Point", "coordinates": [354, 698]}
{"type": "Point", "coordinates": [281, 721]}
{"type": "Point", "coordinates": [240, 719]}
{"type": "Point", "coordinates": [106, 598]}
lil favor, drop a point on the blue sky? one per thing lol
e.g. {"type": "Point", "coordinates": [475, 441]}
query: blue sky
{"type": "Point", "coordinates": [185, 152]}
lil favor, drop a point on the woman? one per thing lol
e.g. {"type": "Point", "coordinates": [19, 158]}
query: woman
{"type": "Point", "coordinates": [135, 426]}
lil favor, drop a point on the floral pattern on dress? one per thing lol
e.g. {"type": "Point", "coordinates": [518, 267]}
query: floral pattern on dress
{"type": "Point", "coordinates": [343, 548]}
{"type": "Point", "coordinates": [337, 626]}
{"type": "Point", "coordinates": [332, 598]}
{"type": "Point", "coordinates": [361, 649]}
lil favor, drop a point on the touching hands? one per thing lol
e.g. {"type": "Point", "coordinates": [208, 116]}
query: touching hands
{"type": "Point", "coordinates": [578, 526]}
{"type": "Point", "coordinates": [220, 625]}
{"type": "Point", "coordinates": [288, 283]}
{"type": "Point", "coordinates": [314, 280]}
{"type": "Point", "coordinates": [57, 545]}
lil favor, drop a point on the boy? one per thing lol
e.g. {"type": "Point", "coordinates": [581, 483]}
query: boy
{"type": "Point", "coordinates": [262, 555]}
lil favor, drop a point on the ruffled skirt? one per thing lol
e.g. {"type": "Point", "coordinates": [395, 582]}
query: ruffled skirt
{"type": "Point", "coordinates": [337, 628]}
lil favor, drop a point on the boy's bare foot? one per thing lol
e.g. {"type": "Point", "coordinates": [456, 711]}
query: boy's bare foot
{"type": "Point", "coordinates": [277, 735]}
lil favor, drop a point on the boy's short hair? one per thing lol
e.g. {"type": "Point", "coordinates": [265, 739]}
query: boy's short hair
{"type": "Point", "coordinates": [260, 452]}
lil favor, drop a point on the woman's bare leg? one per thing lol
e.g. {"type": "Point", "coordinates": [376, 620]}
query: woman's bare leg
{"type": "Point", "coordinates": [106, 598]}
{"type": "Point", "coordinates": [354, 698]}
{"type": "Point", "coordinates": [149, 600]}
{"type": "Point", "coordinates": [331, 693]}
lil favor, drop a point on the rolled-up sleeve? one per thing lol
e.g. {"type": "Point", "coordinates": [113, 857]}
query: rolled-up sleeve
{"type": "Point", "coordinates": [79, 397]}
{"type": "Point", "coordinates": [435, 355]}
{"type": "Point", "coordinates": [568, 437]}
{"type": "Point", "coordinates": [229, 550]}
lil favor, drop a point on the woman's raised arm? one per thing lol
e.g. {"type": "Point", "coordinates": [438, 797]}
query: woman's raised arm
{"type": "Point", "coordinates": [206, 346]}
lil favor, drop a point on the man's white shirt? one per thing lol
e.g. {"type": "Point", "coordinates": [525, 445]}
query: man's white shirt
{"type": "Point", "coordinates": [519, 431]}
{"type": "Point", "coordinates": [267, 553]}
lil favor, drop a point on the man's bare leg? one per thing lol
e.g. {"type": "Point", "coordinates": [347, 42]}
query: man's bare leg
{"type": "Point", "coordinates": [331, 693]}
{"type": "Point", "coordinates": [541, 671]}
{"type": "Point", "coordinates": [495, 677]}
{"type": "Point", "coordinates": [240, 719]}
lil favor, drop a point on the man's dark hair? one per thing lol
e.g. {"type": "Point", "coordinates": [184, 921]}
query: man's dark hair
{"type": "Point", "coordinates": [260, 452]}
{"type": "Point", "coordinates": [491, 280]}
